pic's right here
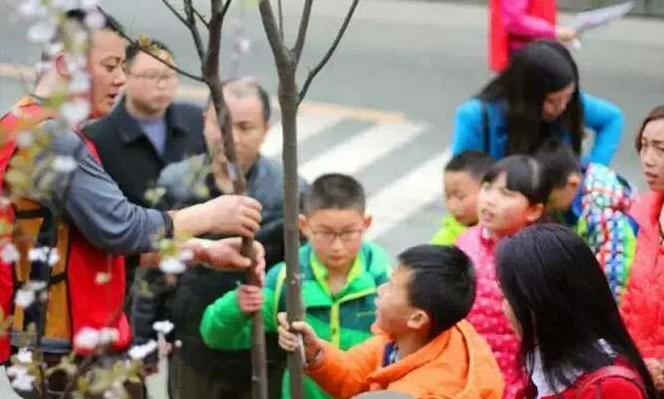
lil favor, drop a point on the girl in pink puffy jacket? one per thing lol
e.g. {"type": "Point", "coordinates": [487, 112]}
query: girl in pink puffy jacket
{"type": "Point", "coordinates": [513, 194]}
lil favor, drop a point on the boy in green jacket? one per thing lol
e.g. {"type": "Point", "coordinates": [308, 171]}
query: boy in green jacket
{"type": "Point", "coordinates": [341, 273]}
{"type": "Point", "coordinates": [461, 184]}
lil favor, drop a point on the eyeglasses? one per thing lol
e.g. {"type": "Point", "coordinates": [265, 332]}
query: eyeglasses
{"type": "Point", "coordinates": [328, 236]}
{"type": "Point", "coordinates": [154, 77]}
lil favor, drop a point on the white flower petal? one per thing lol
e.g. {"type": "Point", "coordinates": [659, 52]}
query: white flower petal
{"type": "Point", "coordinates": [87, 338]}
{"type": "Point", "coordinates": [24, 356]}
{"type": "Point", "coordinates": [23, 382]}
{"type": "Point", "coordinates": [75, 111]}
{"type": "Point", "coordinates": [64, 164]}
{"type": "Point", "coordinates": [163, 326]}
{"type": "Point", "coordinates": [102, 278]}
{"type": "Point", "coordinates": [138, 352]}
{"type": "Point", "coordinates": [243, 45]}
{"type": "Point", "coordinates": [108, 335]}
{"type": "Point", "coordinates": [16, 371]}
{"type": "Point", "coordinates": [24, 298]}
{"type": "Point", "coordinates": [95, 20]}
{"type": "Point", "coordinates": [9, 254]}
{"type": "Point", "coordinates": [186, 255]}
{"type": "Point", "coordinates": [172, 265]}
{"type": "Point", "coordinates": [42, 31]}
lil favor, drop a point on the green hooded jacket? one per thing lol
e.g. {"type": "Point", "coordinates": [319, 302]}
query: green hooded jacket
{"type": "Point", "coordinates": [449, 232]}
{"type": "Point", "coordinates": [343, 319]}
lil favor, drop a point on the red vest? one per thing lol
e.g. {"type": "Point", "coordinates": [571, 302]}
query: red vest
{"type": "Point", "coordinates": [499, 38]}
{"type": "Point", "coordinates": [76, 298]}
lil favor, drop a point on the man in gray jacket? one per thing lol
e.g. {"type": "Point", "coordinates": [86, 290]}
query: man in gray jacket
{"type": "Point", "coordinates": [197, 371]}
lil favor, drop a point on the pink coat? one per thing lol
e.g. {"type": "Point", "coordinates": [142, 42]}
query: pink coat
{"type": "Point", "coordinates": [486, 314]}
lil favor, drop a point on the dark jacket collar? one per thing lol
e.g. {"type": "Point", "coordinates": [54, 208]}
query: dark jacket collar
{"type": "Point", "coordinates": [130, 130]}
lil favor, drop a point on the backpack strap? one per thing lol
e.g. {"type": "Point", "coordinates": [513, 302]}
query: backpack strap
{"type": "Point", "coordinates": [485, 127]}
{"type": "Point", "coordinates": [594, 380]}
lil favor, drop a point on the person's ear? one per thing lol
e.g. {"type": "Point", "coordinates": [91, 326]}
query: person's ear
{"type": "Point", "coordinates": [534, 212]}
{"type": "Point", "coordinates": [61, 66]}
{"type": "Point", "coordinates": [368, 219]}
{"type": "Point", "coordinates": [303, 225]}
{"type": "Point", "coordinates": [418, 320]}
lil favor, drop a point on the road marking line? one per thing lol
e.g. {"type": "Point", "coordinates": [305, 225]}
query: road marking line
{"type": "Point", "coordinates": [403, 198]}
{"type": "Point", "coordinates": [307, 126]}
{"type": "Point", "coordinates": [362, 149]}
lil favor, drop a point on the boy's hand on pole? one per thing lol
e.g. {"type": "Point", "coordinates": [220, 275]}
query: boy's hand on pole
{"type": "Point", "coordinates": [250, 298]}
{"type": "Point", "coordinates": [289, 340]}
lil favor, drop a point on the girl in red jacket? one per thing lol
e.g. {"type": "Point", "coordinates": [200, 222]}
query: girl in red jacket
{"type": "Point", "coordinates": [573, 341]}
{"type": "Point", "coordinates": [511, 197]}
{"type": "Point", "coordinates": [643, 302]}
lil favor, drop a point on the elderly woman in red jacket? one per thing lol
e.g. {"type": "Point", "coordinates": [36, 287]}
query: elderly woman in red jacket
{"type": "Point", "coordinates": [643, 302]}
{"type": "Point", "coordinates": [515, 23]}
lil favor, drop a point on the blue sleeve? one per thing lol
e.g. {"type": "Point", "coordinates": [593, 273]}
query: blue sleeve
{"type": "Point", "coordinates": [607, 122]}
{"type": "Point", "coordinates": [468, 127]}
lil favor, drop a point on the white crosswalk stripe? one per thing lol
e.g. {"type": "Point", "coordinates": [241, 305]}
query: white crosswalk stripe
{"type": "Point", "coordinates": [307, 126]}
{"type": "Point", "coordinates": [403, 198]}
{"type": "Point", "coordinates": [362, 149]}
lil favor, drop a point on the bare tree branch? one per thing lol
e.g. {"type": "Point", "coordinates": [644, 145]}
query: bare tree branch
{"type": "Point", "coordinates": [281, 19]}
{"type": "Point", "coordinates": [302, 33]}
{"type": "Point", "coordinates": [281, 54]}
{"type": "Point", "coordinates": [201, 18]}
{"type": "Point", "coordinates": [312, 73]}
{"type": "Point", "coordinates": [225, 10]}
{"type": "Point", "coordinates": [174, 11]}
{"type": "Point", "coordinates": [211, 61]}
{"type": "Point", "coordinates": [191, 24]}
{"type": "Point", "coordinates": [155, 56]}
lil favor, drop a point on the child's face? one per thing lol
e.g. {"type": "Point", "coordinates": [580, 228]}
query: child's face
{"type": "Point", "coordinates": [394, 313]}
{"type": "Point", "coordinates": [503, 211]}
{"type": "Point", "coordinates": [335, 235]}
{"type": "Point", "coordinates": [561, 197]}
{"type": "Point", "coordinates": [461, 190]}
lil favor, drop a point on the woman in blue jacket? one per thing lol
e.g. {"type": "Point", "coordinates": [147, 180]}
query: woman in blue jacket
{"type": "Point", "coordinates": [537, 98]}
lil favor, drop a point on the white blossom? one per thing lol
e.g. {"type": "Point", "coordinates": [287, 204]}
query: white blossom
{"type": "Point", "coordinates": [30, 8]}
{"type": "Point", "coordinates": [170, 265]}
{"type": "Point", "coordinates": [35, 285]}
{"type": "Point", "coordinates": [42, 31]}
{"type": "Point", "coordinates": [108, 335]}
{"type": "Point", "coordinates": [186, 255]}
{"type": "Point", "coordinates": [75, 111]}
{"type": "Point", "coordinates": [178, 344]}
{"type": "Point", "coordinates": [95, 20]}
{"type": "Point", "coordinates": [9, 254]}
{"type": "Point", "coordinates": [64, 5]}
{"type": "Point", "coordinates": [76, 62]}
{"type": "Point", "coordinates": [87, 338]}
{"type": "Point", "coordinates": [54, 48]}
{"type": "Point", "coordinates": [53, 257]}
{"type": "Point", "coordinates": [64, 164]}
{"type": "Point", "coordinates": [24, 298]}
{"type": "Point", "coordinates": [80, 82]}
{"type": "Point", "coordinates": [21, 379]}
{"type": "Point", "coordinates": [138, 352]}
{"type": "Point", "coordinates": [24, 355]}
{"type": "Point", "coordinates": [243, 45]}
{"type": "Point", "coordinates": [24, 139]}
{"type": "Point", "coordinates": [88, 4]}
{"type": "Point", "coordinates": [102, 278]}
{"type": "Point", "coordinates": [163, 327]}
{"type": "Point", "coordinates": [42, 254]}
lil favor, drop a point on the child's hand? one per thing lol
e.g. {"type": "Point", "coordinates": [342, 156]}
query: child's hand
{"type": "Point", "coordinates": [290, 341]}
{"type": "Point", "coordinates": [656, 369]}
{"type": "Point", "coordinates": [250, 298]}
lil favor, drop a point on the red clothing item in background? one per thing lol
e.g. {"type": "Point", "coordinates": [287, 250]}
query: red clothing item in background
{"type": "Point", "coordinates": [515, 23]}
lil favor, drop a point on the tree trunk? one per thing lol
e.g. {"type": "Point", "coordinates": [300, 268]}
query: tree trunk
{"type": "Point", "coordinates": [288, 97]}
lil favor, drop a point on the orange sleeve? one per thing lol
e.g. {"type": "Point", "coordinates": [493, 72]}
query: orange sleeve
{"type": "Point", "coordinates": [343, 374]}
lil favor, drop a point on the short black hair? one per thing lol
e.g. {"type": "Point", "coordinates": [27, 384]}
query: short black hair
{"type": "Point", "coordinates": [522, 174]}
{"type": "Point", "coordinates": [335, 191]}
{"type": "Point", "coordinates": [558, 162]}
{"type": "Point", "coordinates": [442, 283]}
{"type": "Point", "coordinates": [471, 161]}
{"type": "Point", "coordinates": [133, 49]}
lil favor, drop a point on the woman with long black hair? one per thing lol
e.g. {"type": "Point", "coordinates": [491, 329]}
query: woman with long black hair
{"type": "Point", "coordinates": [573, 341]}
{"type": "Point", "coordinates": [536, 98]}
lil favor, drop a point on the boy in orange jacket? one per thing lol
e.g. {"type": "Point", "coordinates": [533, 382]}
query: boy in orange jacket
{"type": "Point", "coordinates": [422, 346]}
